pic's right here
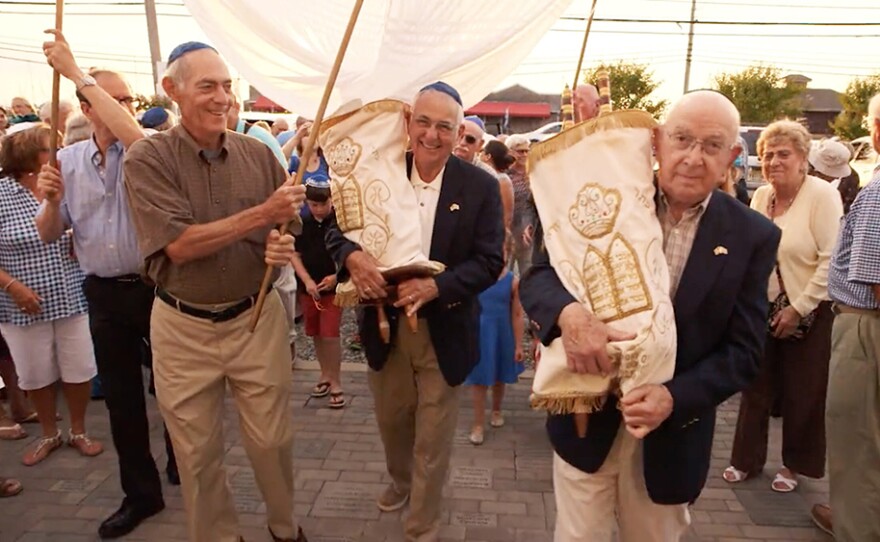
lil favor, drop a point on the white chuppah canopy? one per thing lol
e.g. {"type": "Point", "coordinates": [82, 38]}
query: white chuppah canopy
{"type": "Point", "coordinates": [286, 48]}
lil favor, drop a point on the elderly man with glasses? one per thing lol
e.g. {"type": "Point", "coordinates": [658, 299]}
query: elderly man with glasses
{"type": "Point", "coordinates": [646, 455]}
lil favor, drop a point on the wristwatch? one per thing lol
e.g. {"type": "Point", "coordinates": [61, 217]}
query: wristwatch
{"type": "Point", "coordinates": [86, 81]}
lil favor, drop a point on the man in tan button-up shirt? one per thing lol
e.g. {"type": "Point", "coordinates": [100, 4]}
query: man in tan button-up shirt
{"type": "Point", "coordinates": [204, 203]}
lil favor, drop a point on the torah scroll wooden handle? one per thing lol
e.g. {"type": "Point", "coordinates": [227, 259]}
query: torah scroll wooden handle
{"type": "Point", "coordinates": [580, 422]}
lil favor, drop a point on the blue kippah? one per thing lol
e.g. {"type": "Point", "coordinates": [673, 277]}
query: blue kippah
{"type": "Point", "coordinates": [476, 120]}
{"type": "Point", "coordinates": [445, 88]}
{"type": "Point", "coordinates": [154, 117]}
{"type": "Point", "coordinates": [318, 180]}
{"type": "Point", "coordinates": [187, 47]}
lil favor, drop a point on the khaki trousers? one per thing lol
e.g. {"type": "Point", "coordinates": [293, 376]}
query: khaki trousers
{"type": "Point", "coordinates": [416, 411]}
{"type": "Point", "coordinates": [853, 424]}
{"type": "Point", "coordinates": [589, 505]}
{"type": "Point", "coordinates": [194, 360]}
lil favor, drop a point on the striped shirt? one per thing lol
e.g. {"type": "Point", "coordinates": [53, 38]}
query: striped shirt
{"type": "Point", "coordinates": [678, 237]}
{"type": "Point", "coordinates": [855, 263]}
{"type": "Point", "coordinates": [50, 270]}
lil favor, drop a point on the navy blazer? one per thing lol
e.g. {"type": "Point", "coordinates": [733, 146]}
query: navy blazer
{"type": "Point", "coordinates": [721, 318]}
{"type": "Point", "coordinates": [468, 238]}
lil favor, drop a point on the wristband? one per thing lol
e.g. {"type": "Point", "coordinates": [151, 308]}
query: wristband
{"type": "Point", "coordinates": [8, 284]}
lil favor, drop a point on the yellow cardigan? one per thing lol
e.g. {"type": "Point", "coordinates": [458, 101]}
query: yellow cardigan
{"type": "Point", "coordinates": [809, 232]}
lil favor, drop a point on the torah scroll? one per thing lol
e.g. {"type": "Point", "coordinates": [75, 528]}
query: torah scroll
{"type": "Point", "coordinates": [594, 191]}
{"type": "Point", "coordinates": [373, 198]}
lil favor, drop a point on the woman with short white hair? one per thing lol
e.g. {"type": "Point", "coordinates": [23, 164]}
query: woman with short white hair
{"type": "Point", "coordinates": [523, 228]}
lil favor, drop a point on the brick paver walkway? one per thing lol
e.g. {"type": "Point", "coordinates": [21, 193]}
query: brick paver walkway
{"type": "Point", "coordinates": [500, 491]}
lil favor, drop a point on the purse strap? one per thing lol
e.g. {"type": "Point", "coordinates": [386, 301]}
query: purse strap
{"type": "Point", "coordinates": [771, 210]}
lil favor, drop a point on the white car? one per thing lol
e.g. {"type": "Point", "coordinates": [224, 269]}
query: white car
{"type": "Point", "coordinates": [864, 159]}
{"type": "Point", "coordinates": [544, 132]}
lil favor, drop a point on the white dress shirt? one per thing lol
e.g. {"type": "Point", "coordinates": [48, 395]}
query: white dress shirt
{"type": "Point", "coordinates": [428, 195]}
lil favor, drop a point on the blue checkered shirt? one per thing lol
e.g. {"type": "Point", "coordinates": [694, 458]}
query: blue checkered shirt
{"type": "Point", "coordinates": [855, 263]}
{"type": "Point", "coordinates": [48, 269]}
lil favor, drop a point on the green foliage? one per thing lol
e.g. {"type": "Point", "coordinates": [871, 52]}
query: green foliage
{"type": "Point", "coordinates": [631, 86]}
{"type": "Point", "coordinates": [761, 94]}
{"type": "Point", "coordinates": [148, 102]}
{"type": "Point", "coordinates": [850, 123]}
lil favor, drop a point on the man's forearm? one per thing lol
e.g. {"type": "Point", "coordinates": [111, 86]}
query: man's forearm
{"type": "Point", "coordinates": [118, 120]}
{"type": "Point", "coordinates": [50, 224]}
{"type": "Point", "coordinates": [201, 240]}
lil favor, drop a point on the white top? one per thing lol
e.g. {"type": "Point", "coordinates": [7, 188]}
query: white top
{"type": "Point", "coordinates": [809, 232]}
{"type": "Point", "coordinates": [428, 195]}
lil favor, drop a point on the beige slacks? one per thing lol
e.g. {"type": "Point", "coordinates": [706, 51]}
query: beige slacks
{"type": "Point", "coordinates": [416, 411]}
{"type": "Point", "coordinates": [852, 419]}
{"type": "Point", "coordinates": [194, 360]}
{"type": "Point", "coordinates": [589, 505]}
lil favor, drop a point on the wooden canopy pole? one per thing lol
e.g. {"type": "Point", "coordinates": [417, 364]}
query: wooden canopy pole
{"type": "Point", "coordinates": [309, 147]}
{"type": "Point", "coordinates": [577, 71]}
{"type": "Point", "coordinates": [56, 93]}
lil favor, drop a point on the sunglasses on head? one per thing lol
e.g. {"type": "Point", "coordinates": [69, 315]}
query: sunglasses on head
{"type": "Point", "coordinates": [469, 139]}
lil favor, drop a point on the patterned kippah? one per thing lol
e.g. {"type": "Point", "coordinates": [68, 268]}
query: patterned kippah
{"type": "Point", "coordinates": [445, 88]}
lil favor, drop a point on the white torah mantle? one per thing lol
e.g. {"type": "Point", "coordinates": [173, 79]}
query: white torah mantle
{"type": "Point", "coordinates": [374, 201]}
{"type": "Point", "coordinates": [594, 191]}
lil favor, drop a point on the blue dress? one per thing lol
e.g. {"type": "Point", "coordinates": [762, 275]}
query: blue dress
{"type": "Point", "coordinates": [497, 363]}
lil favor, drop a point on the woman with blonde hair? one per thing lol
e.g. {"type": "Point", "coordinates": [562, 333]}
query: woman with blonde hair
{"type": "Point", "coordinates": [794, 370]}
{"type": "Point", "coordinates": [43, 311]}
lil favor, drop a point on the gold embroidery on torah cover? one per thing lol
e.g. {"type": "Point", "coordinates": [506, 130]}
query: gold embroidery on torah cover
{"type": "Point", "coordinates": [374, 200]}
{"type": "Point", "coordinates": [593, 188]}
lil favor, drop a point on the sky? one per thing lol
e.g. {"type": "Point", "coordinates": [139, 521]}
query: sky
{"type": "Point", "coordinates": [112, 34]}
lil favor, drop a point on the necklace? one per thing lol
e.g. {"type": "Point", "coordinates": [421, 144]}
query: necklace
{"type": "Point", "coordinates": [772, 206]}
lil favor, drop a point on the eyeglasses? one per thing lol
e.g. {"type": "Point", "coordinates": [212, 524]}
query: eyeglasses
{"type": "Point", "coordinates": [521, 151]}
{"type": "Point", "coordinates": [686, 142]}
{"type": "Point", "coordinates": [125, 101]}
{"type": "Point", "coordinates": [769, 156]}
{"type": "Point", "coordinates": [469, 139]}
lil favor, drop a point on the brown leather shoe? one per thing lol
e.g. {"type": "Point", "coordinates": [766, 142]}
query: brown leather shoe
{"type": "Point", "coordinates": [300, 537]}
{"type": "Point", "coordinates": [821, 514]}
{"type": "Point", "coordinates": [83, 444]}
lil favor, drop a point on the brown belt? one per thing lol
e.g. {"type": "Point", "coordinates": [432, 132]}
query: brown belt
{"type": "Point", "coordinates": [843, 309]}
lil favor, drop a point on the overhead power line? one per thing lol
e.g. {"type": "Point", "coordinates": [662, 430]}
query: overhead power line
{"type": "Point", "coordinates": [723, 23]}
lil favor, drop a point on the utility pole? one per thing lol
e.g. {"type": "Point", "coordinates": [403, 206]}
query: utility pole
{"type": "Point", "coordinates": [690, 49]}
{"type": "Point", "coordinates": [153, 33]}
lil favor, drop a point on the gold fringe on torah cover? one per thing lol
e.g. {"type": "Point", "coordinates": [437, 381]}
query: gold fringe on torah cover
{"type": "Point", "coordinates": [374, 201]}
{"type": "Point", "coordinates": [594, 191]}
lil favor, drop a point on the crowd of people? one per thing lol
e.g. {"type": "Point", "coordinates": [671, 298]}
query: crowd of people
{"type": "Point", "coordinates": [146, 245]}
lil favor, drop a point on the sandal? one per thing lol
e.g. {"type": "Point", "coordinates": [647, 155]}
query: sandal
{"type": "Point", "coordinates": [12, 432]}
{"type": "Point", "coordinates": [84, 445]}
{"type": "Point", "coordinates": [497, 419]}
{"type": "Point", "coordinates": [476, 436]}
{"type": "Point", "coordinates": [783, 484]}
{"type": "Point", "coordinates": [32, 418]}
{"type": "Point", "coordinates": [733, 475]}
{"type": "Point", "coordinates": [337, 399]}
{"type": "Point", "coordinates": [9, 487]}
{"type": "Point", "coordinates": [41, 448]}
{"type": "Point", "coordinates": [321, 389]}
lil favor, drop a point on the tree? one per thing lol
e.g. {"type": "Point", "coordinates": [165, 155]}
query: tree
{"type": "Point", "coordinates": [631, 86]}
{"type": "Point", "coordinates": [850, 123]}
{"type": "Point", "coordinates": [761, 94]}
{"type": "Point", "coordinates": [144, 102]}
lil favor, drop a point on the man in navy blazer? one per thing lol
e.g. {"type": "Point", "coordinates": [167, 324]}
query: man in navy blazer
{"type": "Point", "coordinates": [646, 456]}
{"type": "Point", "coordinates": [415, 378]}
